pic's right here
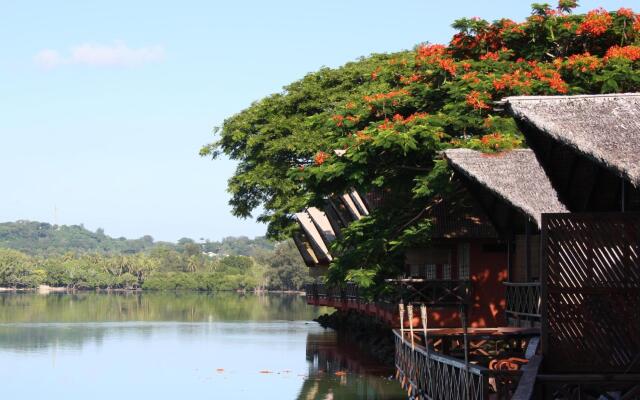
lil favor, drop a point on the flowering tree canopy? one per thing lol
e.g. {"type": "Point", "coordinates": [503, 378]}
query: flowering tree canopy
{"type": "Point", "coordinates": [392, 113]}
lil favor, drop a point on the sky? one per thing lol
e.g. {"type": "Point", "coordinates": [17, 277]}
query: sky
{"type": "Point", "coordinates": [105, 104]}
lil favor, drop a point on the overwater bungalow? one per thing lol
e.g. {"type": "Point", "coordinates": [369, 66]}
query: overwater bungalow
{"type": "Point", "coordinates": [589, 147]}
{"type": "Point", "coordinates": [462, 264]}
{"type": "Point", "coordinates": [515, 192]}
{"type": "Point", "coordinates": [570, 207]}
{"type": "Point", "coordinates": [562, 222]}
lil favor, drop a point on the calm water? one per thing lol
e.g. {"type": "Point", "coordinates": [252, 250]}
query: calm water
{"type": "Point", "coordinates": [178, 346]}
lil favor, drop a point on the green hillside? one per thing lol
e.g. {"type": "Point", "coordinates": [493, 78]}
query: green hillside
{"type": "Point", "coordinates": [39, 238]}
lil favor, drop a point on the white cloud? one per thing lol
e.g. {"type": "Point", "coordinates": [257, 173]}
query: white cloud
{"type": "Point", "coordinates": [48, 58]}
{"type": "Point", "coordinates": [117, 54]}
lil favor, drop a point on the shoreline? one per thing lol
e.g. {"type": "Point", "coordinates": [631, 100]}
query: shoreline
{"type": "Point", "coordinates": [44, 289]}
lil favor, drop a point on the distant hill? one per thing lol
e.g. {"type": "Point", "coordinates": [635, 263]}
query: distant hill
{"type": "Point", "coordinates": [39, 238]}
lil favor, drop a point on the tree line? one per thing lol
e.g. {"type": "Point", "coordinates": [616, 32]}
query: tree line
{"type": "Point", "coordinates": [185, 265]}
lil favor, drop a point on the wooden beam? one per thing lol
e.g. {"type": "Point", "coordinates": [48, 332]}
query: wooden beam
{"type": "Point", "coordinates": [322, 224]}
{"type": "Point", "coordinates": [311, 232]}
{"type": "Point", "coordinates": [305, 249]}
{"type": "Point", "coordinates": [357, 200]}
{"type": "Point", "coordinates": [334, 219]}
{"type": "Point", "coordinates": [351, 206]}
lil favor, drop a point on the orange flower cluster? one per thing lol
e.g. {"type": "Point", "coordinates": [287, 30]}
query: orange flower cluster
{"type": "Point", "coordinates": [595, 23]}
{"type": "Point", "coordinates": [338, 119]}
{"type": "Point", "coordinates": [374, 74]}
{"type": "Point", "coordinates": [516, 80]}
{"type": "Point", "coordinates": [490, 55]}
{"type": "Point", "coordinates": [636, 25]}
{"type": "Point", "coordinates": [551, 77]}
{"type": "Point", "coordinates": [362, 136]}
{"type": "Point", "coordinates": [407, 80]}
{"type": "Point", "coordinates": [320, 157]}
{"type": "Point", "coordinates": [402, 120]}
{"type": "Point", "coordinates": [475, 100]}
{"type": "Point", "coordinates": [567, 25]}
{"type": "Point", "coordinates": [386, 125]}
{"type": "Point", "coordinates": [626, 12]}
{"type": "Point", "coordinates": [434, 53]}
{"type": "Point", "coordinates": [385, 96]}
{"type": "Point", "coordinates": [431, 50]}
{"type": "Point", "coordinates": [486, 139]}
{"type": "Point", "coordinates": [471, 76]}
{"type": "Point", "coordinates": [584, 62]}
{"type": "Point", "coordinates": [509, 26]}
{"type": "Point", "coordinates": [448, 65]}
{"type": "Point", "coordinates": [629, 52]}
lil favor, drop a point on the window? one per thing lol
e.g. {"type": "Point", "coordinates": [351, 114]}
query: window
{"type": "Point", "coordinates": [430, 272]}
{"type": "Point", "coordinates": [446, 272]}
{"type": "Point", "coordinates": [463, 261]}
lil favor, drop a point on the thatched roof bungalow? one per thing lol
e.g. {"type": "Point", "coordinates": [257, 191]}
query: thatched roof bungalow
{"type": "Point", "coordinates": [462, 255]}
{"type": "Point", "coordinates": [588, 145]}
{"type": "Point", "coordinates": [515, 191]}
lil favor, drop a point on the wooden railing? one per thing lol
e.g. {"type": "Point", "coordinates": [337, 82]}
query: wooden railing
{"type": "Point", "coordinates": [523, 300]}
{"type": "Point", "coordinates": [431, 292]}
{"type": "Point", "coordinates": [428, 374]}
{"type": "Point", "coordinates": [438, 292]}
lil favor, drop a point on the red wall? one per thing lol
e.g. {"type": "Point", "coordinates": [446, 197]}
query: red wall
{"type": "Point", "coordinates": [488, 271]}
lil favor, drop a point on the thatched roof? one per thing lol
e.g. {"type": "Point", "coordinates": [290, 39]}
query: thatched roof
{"type": "Point", "coordinates": [314, 237]}
{"type": "Point", "coordinates": [605, 128]}
{"type": "Point", "coordinates": [305, 249]}
{"type": "Point", "coordinates": [322, 224]}
{"type": "Point", "coordinates": [514, 176]}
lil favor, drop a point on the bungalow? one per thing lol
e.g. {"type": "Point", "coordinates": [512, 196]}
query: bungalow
{"type": "Point", "coordinates": [462, 262]}
{"type": "Point", "coordinates": [589, 147]}
{"type": "Point", "coordinates": [514, 191]}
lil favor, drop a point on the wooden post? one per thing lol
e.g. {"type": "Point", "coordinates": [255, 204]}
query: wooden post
{"type": "Point", "coordinates": [463, 315]}
{"type": "Point", "coordinates": [410, 317]}
{"type": "Point", "coordinates": [527, 250]}
{"type": "Point", "coordinates": [544, 271]}
{"type": "Point", "coordinates": [423, 314]}
{"type": "Point", "coordinates": [401, 312]}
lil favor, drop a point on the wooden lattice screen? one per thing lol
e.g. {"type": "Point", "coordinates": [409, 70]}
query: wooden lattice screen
{"type": "Point", "coordinates": [591, 292]}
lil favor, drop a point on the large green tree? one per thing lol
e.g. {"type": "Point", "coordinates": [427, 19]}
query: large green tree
{"type": "Point", "coordinates": [392, 113]}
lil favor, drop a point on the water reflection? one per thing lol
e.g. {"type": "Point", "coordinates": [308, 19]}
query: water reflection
{"type": "Point", "coordinates": [166, 345]}
{"type": "Point", "coordinates": [339, 369]}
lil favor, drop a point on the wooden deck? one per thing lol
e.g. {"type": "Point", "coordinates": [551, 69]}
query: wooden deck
{"type": "Point", "coordinates": [426, 371]}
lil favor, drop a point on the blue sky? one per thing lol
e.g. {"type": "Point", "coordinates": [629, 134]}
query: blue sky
{"type": "Point", "coordinates": [105, 104]}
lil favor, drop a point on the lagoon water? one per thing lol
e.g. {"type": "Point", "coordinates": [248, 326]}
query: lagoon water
{"type": "Point", "coordinates": [178, 346]}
